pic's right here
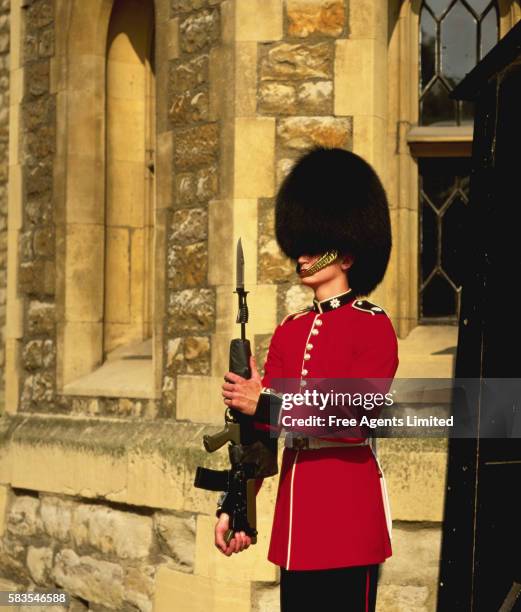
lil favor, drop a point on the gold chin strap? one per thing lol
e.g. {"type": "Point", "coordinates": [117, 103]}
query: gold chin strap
{"type": "Point", "coordinates": [327, 258]}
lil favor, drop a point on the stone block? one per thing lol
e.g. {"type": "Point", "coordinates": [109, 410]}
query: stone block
{"type": "Point", "coordinates": [301, 133]}
{"type": "Point", "coordinates": [401, 598]}
{"type": "Point", "coordinates": [315, 98]}
{"type": "Point", "coordinates": [39, 563]}
{"type": "Point", "coordinates": [85, 113]}
{"type": "Point", "coordinates": [125, 130]}
{"type": "Point", "coordinates": [127, 82]}
{"type": "Point", "coordinates": [297, 297]}
{"type": "Point", "coordinates": [273, 265]}
{"type": "Point", "coordinates": [199, 30]}
{"type": "Point", "coordinates": [277, 98]}
{"type": "Point", "coordinates": [368, 19]}
{"type": "Point", "coordinates": [360, 66]}
{"type": "Point", "coordinates": [80, 73]}
{"type": "Point", "coordinates": [194, 593]}
{"type": "Point", "coordinates": [196, 146]}
{"type": "Point", "coordinates": [23, 518]}
{"type": "Point", "coordinates": [84, 189]}
{"type": "Point", "coordinates": [192, 310]}
{"type": "Point", "coordinates": [287, 62]}
{"type": "Point", "coordinates": [189, 74]}
{"type": "Point", "coordinates": [258, 20]}
{"type": "Point", "coordinates": [177, 538]}
{"type": "Point", "coordinates": [93, 579]}
{"type": "Point", "coordinates": [416, 558]}
{"type": "Point", "coordinates": [56, 516]}
{"type": "Point", "coordinates": [73, 363]}
{"type": "Point", "coordinates": [415, 471]}
{"type": "Point", "coordinates": [204, 405]}
{"type": "Point", "coordinates": [265, 597]}
{"type": "Point", "coordinates": [138, 586]}
{"type": "Point", "coordinates": [84, 255]}
{"type": "Point", "coordinates": [246, 55]}
{"type": "Point", "coordinates": [370, 142]}
{"type": "Point", "coordinates": [189, 225]}
{"type": "Point", "coordinates": [254, 157]}
{"type": "Point", "coordinates": [188, 355]}
{"type": "Point", "coordinates": [187, 265]}
{"type": "Point", "coordinates": [125, 183]}
{"type": "Point", "coordinates": [121, 534]}
{"type": "Point", "coordinates": [322, 17]}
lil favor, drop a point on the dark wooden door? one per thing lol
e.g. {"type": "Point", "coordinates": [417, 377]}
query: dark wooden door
{"type": "Point", "coordinates": [481, 548]}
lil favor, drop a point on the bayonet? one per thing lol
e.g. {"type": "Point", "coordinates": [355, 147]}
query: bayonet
{"type": "Point", "coordinates": [239, 266]}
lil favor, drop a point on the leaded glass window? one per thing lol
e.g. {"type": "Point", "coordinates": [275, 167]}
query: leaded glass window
{"type": "Point", "coordinates": [444, 192]}
{"type": "Point", "coordinates": [454, 35]}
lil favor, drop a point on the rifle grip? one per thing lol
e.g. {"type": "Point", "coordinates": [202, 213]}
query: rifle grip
{"type": "Point", "coordinates": [240, 353]}
{"type": "Point", "coordinates": [213, 443]}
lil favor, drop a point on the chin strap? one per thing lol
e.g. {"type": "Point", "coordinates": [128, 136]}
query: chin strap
{"type": "Point", "coordinates": [327, 258]}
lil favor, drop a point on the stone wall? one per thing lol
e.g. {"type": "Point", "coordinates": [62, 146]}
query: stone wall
{"type": "Point", "coordinates": [4, 152]}
{"type": "Point", "coordinates": [296, 85]}
{"type": "Point", "coordinates": [196, 145]}
{"type": "Point", "coordinates": [37, 248]}
{"type": "Point", "coordinates": [98, 496]}
{"type": "Point", "coordinates": [86, 549]}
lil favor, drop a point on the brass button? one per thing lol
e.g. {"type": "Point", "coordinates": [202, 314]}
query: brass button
{"type": "Point", "coordinates": [309, 346]}
{"type": "Point", "coordinates": [304, 372]}
{"type": "Point", "coordinates": [314, 332]}
{"type": "Point", "coordinates": [318, 322]}
{"type": "Point", "coordinates": [307, 356]}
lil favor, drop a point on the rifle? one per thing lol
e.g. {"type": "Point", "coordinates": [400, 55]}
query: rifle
{"type": "Point", "coordinates": [252, 452]}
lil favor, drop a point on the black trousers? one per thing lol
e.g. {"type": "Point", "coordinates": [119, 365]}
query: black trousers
{"type": "Point", "coordinates": [344, 589]}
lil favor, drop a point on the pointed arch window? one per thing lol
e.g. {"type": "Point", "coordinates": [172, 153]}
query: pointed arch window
{"type": "Point", "coordinates": [454, 35]}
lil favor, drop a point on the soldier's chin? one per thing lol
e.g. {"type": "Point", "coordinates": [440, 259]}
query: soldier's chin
{"type": "Point", "coordinates": [309, 279]}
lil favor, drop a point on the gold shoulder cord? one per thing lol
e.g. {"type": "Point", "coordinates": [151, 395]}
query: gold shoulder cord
{"type": "Point", "coordinates": [327, 258]}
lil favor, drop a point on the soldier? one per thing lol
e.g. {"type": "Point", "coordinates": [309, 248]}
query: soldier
{"type": "Point", "coordinates": [331, 525]}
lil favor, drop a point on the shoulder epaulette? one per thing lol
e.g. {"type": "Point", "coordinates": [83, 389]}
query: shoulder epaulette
{"type": "Point", "coordinates": [367, 306]}
{"type": "Point", "coordinates": [296, 315]}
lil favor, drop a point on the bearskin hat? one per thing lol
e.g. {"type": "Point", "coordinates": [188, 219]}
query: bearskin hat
{"type": "Point", "coordinates": [333, 199]}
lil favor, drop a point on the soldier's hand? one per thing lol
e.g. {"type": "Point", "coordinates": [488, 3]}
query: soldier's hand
{"type": "Point", "coordinates": [239, 542]}
{"type": "Point", "coordinates": [243, 393]}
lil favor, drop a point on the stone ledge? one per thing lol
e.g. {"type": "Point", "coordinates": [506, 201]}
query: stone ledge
{"type": "Point", "coordinates": [152, 464]}
{"type": "Point", "coordinates": [126, 377]}
{"type": "Point", "coordinates": [143, 463]}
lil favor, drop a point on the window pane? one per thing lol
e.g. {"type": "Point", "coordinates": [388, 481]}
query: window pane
{"type": "Point", "coordinates": [466, 112]}
{"type": "Point", "coordinates": [428, 48]}
{"type": "Point", "coordinates": [437, 181]}
{"type": "Point", "coordinates": [489, 33]}
{"type": "Point", "coordinates": [438, 6]}
{"type": "Point", "coordinates": [453, 240]}
{"type": "Point", "coordinates": [429, 238]}
{"type": "Point", "coordinates": [480, 5]}
{"type": "Point", "coordinates": [444, 181]}
{"type": "Point", "coordinates": [439, 298]}
{"type": "Point", "coordinates": [449, 50]}
{"type": "Point", "coordinates": [458, 43]}
{"type": "Point", "coordinates": [436, 107]}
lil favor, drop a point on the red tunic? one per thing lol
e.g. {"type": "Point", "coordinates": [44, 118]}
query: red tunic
{"type": "Point", "coordinates": [329, 510]}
